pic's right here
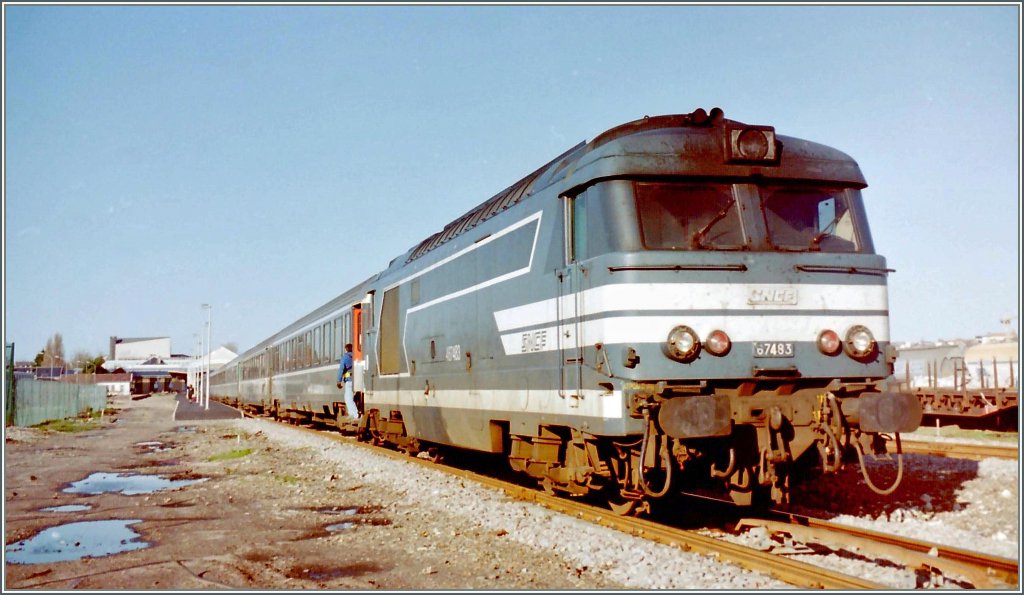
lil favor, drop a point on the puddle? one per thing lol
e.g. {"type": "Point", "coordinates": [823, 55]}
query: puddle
{"type": "Point", "coordinates": [352, 524]}
{"type": "Point", "coordinates": [339, 511]}
{"type": "Point", "coordinates": [152, 446]}
{"type": "Point", "coordinates": [338, 527]}
{"type": "Point", "coordinates": [129, 485]}
{"type": "Point", "coordinates": [74, 541]}
{"type": "Point", "coordinates": [67, 508]}
{"type": "Point", "coordinates": [187, 429]}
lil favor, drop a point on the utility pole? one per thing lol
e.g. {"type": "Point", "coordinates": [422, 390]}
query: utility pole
{"type": "Point", "coordinates": [209, 350]}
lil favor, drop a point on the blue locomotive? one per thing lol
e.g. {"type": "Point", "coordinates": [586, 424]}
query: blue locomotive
{"type": "Point", "coordinates": [685, 302]}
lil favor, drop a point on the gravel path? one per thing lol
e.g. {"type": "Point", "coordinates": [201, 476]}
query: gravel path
{"type": "Point", "coordinates": [458, 507]}
{"type": "Point", "coordinates": [970, 504]}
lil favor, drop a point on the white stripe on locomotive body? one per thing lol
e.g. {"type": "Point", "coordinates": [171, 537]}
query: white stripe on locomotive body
{"type": "Point", "coordinates": [632, 297]}
{"type": "Point", "coordinates": [536, 217]}
{"type": "Point", "coordinates": [635, 330]}
{"type": "Point", "coordinates": [594, 403]}
{"type": "Point", "coordinates": [487, 240]}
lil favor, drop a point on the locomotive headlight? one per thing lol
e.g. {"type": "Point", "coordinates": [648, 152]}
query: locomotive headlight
{"type": "Point", "coordinates": [751, 143]}
{"type": "Point", "coordinates": [829, 343]}
{"type": "Point", "coordinates": [683, 344]}
{"type": "Point", "coordinates": [718, 343]}
{"type": "Point", "coordinates": [860, 343]}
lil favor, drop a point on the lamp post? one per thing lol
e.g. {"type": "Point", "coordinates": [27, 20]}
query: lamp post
{"type": "Point", "coordinates": [199, 370]}
{"type": "Point", "coordinates": [193, 377]}
{"type": "Point", "coordinates": [209, 351]}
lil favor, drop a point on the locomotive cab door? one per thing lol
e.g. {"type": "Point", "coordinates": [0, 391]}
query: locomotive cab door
{"type": "Point", "coordinates": [570, 302]}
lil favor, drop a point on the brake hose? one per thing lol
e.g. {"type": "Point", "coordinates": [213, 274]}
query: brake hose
{"type": "Point", "coordinates": [643, 456]}
{"type": "Point", "coordinates": [899, 467]}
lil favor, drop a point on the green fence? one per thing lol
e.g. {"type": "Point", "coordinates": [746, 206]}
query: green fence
{"type": "Point", "coordinates": [36, 401]}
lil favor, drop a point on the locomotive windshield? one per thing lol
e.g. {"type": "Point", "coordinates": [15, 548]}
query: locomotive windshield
{"type": "Point", "coordinates": [705, 215]}
{"type": "Point", "coordinates": [688, 216]}
{"type": "Point", "coordinates": [802, 218]}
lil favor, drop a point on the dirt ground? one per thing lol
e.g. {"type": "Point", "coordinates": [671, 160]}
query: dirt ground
{"type": "Point", "coordinates": [258, 520]}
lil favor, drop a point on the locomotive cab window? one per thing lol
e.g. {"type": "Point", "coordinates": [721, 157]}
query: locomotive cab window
{"type": "Point", "coordinates": [810, 219]}
{"type": "Point", "coordinates": [688, 216]}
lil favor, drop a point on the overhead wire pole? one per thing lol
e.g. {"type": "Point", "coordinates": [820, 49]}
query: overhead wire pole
{"type": "Point", "coordinates": [209, 350]}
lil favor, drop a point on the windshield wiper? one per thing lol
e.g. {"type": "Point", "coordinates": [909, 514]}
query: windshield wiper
{"type": "Point", "coordinates": [827, 231]}
{"type": "Point", "coordinates": [696, 241]}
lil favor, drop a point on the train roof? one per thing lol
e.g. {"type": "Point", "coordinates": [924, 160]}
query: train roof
{"type": "Point", "coordinates": [349, 298]}
{"type": "Point", "coordinates": [676, 144]}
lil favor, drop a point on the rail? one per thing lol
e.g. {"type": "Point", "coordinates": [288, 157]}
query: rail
{"type": "Point", "coordinates": [981, 569]}
{"type": "Point", "coordinates": [959, 450]}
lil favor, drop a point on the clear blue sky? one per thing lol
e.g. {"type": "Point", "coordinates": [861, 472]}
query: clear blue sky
{"type": "Point", "coordinates": [263, 159]}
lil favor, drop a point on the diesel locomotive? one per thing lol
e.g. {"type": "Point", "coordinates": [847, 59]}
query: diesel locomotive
{"type": "Point", "coordinates": [685, 302]}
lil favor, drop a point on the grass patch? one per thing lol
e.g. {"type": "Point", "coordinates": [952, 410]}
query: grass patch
{"type": "Point", "coordinates": [288, 479]}
{"type": "Point", "coordinates": [231, 455]}
{"type": "Point", "coordinates": [66, 425]}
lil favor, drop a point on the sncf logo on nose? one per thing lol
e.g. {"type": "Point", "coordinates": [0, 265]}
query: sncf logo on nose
{"type": "Point", "coordinates": [783, 296]}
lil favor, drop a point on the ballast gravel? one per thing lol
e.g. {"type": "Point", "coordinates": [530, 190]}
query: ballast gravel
{"type": "Point", "coordinates": [454, 506]}
{"type": "Point", "coordinates": [972, 505]}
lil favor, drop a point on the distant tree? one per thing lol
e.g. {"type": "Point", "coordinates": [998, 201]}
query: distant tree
{"type": "Point", "coordinates": [88, 362]}
{"type": "Point", "coordinates": [80, 358]}
{"type": "Point", "coordinates": [231, 346]}
{"type": "Point", "coordinates": [94, 366]}
{"type": "Point", "coordinates": [38, 361]}
{"type": "Point", "coordinates": [53, 353]}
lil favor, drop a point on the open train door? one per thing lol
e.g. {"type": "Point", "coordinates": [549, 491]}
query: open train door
{"type": "Point", "coordinates": [358, 367]}
{"type": "Point", "coordinates": [362, 323]}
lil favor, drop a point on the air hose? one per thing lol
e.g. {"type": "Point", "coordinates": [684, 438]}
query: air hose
{"type": "Point", "coordinates": [643, 456]}
{"type": "Point", "coordinates": [899, 467]}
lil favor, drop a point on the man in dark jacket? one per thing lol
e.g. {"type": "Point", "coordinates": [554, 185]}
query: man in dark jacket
{"type": "Point", "coordinates": [345, 382]}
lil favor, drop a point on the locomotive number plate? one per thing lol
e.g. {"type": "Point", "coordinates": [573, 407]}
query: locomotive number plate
{"type": "Point", "coordinates": [773, 349]}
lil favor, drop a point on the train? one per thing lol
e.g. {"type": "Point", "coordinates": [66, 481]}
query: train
{"type": "Point", "coordinates": [969, 383]}
{"type": "Point", "coordinates": [684, 303]}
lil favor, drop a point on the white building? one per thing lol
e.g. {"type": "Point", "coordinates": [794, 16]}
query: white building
{"type": "Point", "coordinates": [140, 348]}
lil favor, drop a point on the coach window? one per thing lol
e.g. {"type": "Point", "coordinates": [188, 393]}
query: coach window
{"type": "Point", "coordinates": [346, 333]}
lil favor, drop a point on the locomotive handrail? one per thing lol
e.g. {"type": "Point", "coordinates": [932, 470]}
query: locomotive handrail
{"type": "Point", "coordinates": [679, 267]}
{"type": "Point", "coordinates": [818, 268]}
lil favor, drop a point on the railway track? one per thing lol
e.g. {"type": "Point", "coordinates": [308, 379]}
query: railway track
{"type": "Point", "coordinates": [959, 450]}
{"type": "Point", "coordinates": [981, 570]}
